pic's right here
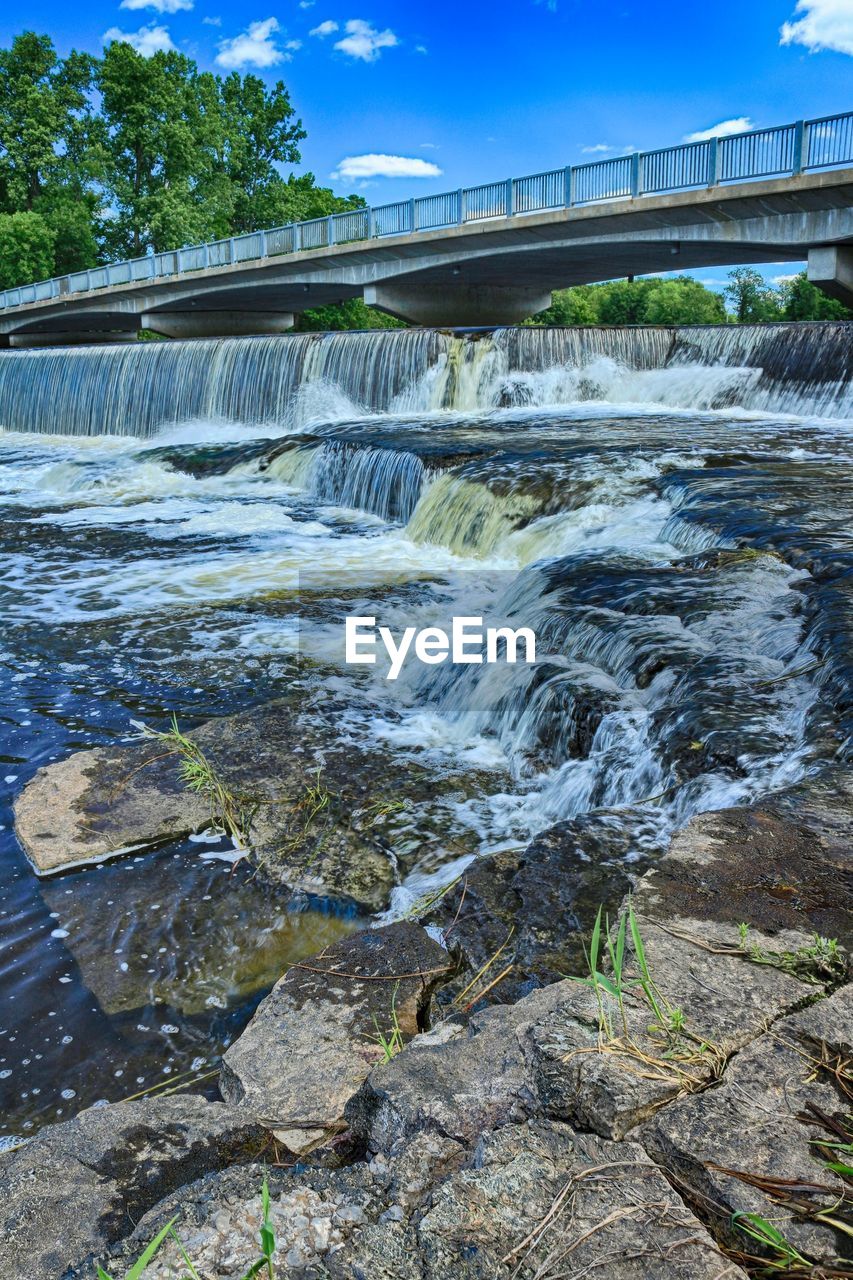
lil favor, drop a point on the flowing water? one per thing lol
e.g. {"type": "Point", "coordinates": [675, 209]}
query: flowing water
{"type": "Point", "coordinates": [184, 527]}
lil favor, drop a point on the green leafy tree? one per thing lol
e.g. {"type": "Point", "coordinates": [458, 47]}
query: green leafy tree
{"type": "Point", "coordinates": [683, 301]}
{"type": "Point", "coordinates": [624, 301]}
{"type": "Point", "coordinates": [26, 249]}
{"type": "Point", "coordinates": [352, 314]}
{"type": "Point", "coordinates": [575, 306]}
{"type": "Point", "coordinates": [157, 153]}
{"type": "Point", "coordinates": [44, 119]}
{"type": "Point", "coordinates": [802, 300]}
{"type": "Point", "coordinates": [752, 299]}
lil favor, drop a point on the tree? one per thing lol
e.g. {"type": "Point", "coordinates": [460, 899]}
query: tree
{"type": "Point", "coordinates": [44, 119]}
{"type": "Point", "coordinates": [571, 306]}
{"type": "Point", "coordinates": [26, 249]}
{"type": "Point", "coordinates": [352, 314]}
{"type": "Point", "coordinates": [801, 300]}
{"type": "Point", "coordinates": [684, 301]}
{"type": "Point", "coordinates": [751, 297]}
{"type": "Point", "coordinates": [256, 132]}
{"type": "Point", "coordinates": [624, 301]}
{"type": "Point", "coordinates": [157, 151]}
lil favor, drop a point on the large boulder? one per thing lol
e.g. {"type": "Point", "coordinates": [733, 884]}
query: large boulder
{"type": "Point", "coordinates": [316, 1037]}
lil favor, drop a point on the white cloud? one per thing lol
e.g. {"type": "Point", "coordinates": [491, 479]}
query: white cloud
{"type": "Point", "coordinates": [364, 42]}
{"type": "Point", "coordinates": [212, 22]}
{"type": "Point", "coordinates": [327, 28]}
{"type": "Point", "coordinates": [598, 150]}
{"type": "Point", "coordinates": [725, 129]}
{"type": "Point", "coordinates": [159, 6]}
{"type": "Point", "coordinates": [293, 45]}
{"type": "Point", "coordinates": [254, 47]}
{"type": "Point", "coordinates": [306, 4]}
{"type": "Point", "coordinates": [147, 40]}
{"type": "Point", "coordinates": [421, 48]}
{"type": "Point", "coordinates": [381, 166]}
{"type": "Point", "coordinates": [825, 24]}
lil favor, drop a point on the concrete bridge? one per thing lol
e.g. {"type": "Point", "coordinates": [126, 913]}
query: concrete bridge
{"type": "Point", "coordinates": [484, 255]}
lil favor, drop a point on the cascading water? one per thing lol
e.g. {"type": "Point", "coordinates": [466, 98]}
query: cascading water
{"type": "Point", "coordinates": [292, 380]}
{"type": "Point", "coordinates": [668, 510]}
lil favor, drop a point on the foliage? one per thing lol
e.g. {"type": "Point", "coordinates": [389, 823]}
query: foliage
{"type": "Point", "coordinates": [647, 301]}
{"type": "Point", "coordinates": [802, 300]}
{"type": "Point", "coordinates": [390, 1042]}
{"type": "Point", "coordinates": [751, 298]}
{"type": "Point", "coordinates": [26, 249]}
{"type": "Point", "coordinates": [230, 812]}
{"type": "Point", "coordinates": [123, 154]}
{"type": "Point", "coordinates": [684, 301]}
{"type": "Point", "coordinates": [352, 314]}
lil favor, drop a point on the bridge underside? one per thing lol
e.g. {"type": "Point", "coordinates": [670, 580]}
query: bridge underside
{"type": "Point", "coordinates": [485, 273]}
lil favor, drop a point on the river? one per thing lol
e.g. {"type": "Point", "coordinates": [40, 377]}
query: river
{"type": "Point", "coordinates": [185, 525]}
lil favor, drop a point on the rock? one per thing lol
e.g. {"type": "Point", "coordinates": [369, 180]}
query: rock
{"type": "Point", "coordinates": [757, 1123]}
{"type": "Point", "coordinates": [314, 1039]}
{"type": "Point", "coordinates": [79, 1186]}
{"type": "Point", "coordinates": [313, 1212]}
{"type": "Point", "coordinates": [540, 900]}
{"type": "Point", "coordinates": [781, 865]}
{"type": "Point", "coordinates": [612, 1078]}
{"type": "Point", "coordinates": [611, 1081]}
{"type": "Point", "coordinates": [542, 1200]}
{"type": "Point", "coordinates": [455, 1081]}
{"type": "Point", "coordinates": [226, 941]}
{"type": "Point", "coordinates": [322, 815]}
{"type": "Point", "coordinates": [101, 803]}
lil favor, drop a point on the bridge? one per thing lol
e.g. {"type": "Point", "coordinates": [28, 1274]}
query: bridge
{"type": "Point", "coordinates": [484, 255]}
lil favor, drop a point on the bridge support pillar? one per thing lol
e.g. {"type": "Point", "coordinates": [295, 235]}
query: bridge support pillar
{"type": "Point", "coordinates": [831, 269]}
{"type": "Point", "coordinates": [216, 324]}
{"type": "Point", "coordinates": [457, 305]}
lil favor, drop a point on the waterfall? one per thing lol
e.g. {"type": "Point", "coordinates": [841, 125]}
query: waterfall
{"type": "Point", "coordinates": [285, 383]}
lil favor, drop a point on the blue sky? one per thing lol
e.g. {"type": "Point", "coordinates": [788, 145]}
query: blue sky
{"type": "Point", "coordinates": [470, 90]}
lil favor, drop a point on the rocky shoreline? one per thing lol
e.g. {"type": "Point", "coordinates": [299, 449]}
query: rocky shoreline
{"type": "Point", "coordinates": [415, 1125]}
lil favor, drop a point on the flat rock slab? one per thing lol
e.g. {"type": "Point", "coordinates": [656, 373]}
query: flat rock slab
{"type": "Point", "coordinates": [315, 1038]}
{"type": "Point", "coordinates": [612, 1079]}
{"type": "Point", "coordinates": [751, 1124]}
{"type": "Point", "coordinates": [780, 866]}
{"type": "Point", "coordinates": [101, 803]}
{"type": "Point", "coordinates": [79, 1186]}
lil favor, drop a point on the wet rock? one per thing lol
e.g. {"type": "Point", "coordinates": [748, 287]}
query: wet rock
{"type": "Point", "coordinates": [227, 940]}
{"type": "Point", "coordinates": [315, 1038]}
{"type": "Point", "coordinates": [535, 904]}
{"type": "Point", "coordinates": [322, 815]}
{"type": "Point", "coordinates": [100, 803]}
{"type": "Point", "coordinates": [762, 1122]}
{"type": "Point", "coordinates": [79, 1186]}
{"type": "Point", "coordinates": [456, 1081]}
{"type": "Point", "coordinates": [542, 1200]}
{"type": "Point", "coordinates": [781, 865]}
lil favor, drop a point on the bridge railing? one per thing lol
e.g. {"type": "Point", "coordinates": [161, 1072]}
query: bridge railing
{"type": "Point", "coordinates": [760, 153]}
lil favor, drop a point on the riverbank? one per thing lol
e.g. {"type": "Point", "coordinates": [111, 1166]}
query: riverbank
{"type": "Point", "coordinates": [536, 1138]}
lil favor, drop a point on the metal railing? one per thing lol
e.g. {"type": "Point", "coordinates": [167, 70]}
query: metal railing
{"type": "Point", "coordinates": [762, 153]}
